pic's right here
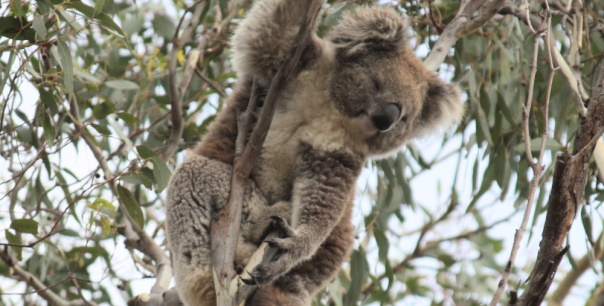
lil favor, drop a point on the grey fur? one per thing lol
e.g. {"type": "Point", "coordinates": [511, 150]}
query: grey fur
{"type": "Point", "coordinates": [323, 130]}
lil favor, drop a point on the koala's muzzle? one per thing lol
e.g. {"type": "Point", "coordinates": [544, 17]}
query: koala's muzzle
{"type": "Point", "coordinates": [385, 117]}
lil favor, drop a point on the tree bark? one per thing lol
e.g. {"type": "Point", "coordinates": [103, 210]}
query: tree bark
{"type": "Point", "coordinates": [568, 187]}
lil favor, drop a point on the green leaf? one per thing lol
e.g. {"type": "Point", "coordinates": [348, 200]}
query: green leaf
{"type": "Point", "coordinates": [128, 118]}
{"type": "Point", "coordinates": [67, 64]}
{"type": "Point", "coordinates": [487, 181]}
{"type": "Point", "coordinates": [137, 178]}
{"type": "Point", "coordinates": [24, 135]}
{"type": "Point", "coordinates": [38, 25]}
{"type": "Point", "coordinates": [14, 239]}
{"type": "Point", "coordinates": [28, 226]}
{"type": "Point", "coordinates": [131, 205]}
{"type": "Point", "coordinates": [49, 100]}
{"type": "Point", "coordinates": [535, 143]}
{"type": "Point", "coordinates": [144, 152]}
{"type": "Point", "coordinates": [101, 129]}
{"type": "Point", "coordinates": [16, 28]}
{"type": "Point", "coordinates": [102, 110]}
{"type": "Point", "coordinates": [48, 125]}
{"type": "Point", "coordinates": [358, 274]}
{"type": "Point", "coordinates": [122, 84]}
{"type": "Point", "coordinates": [107, 225]}
{"type": "Point", "coordinates": [101, 203]}
{"type": "Point", "coordinates": [161, 172]}
{"type": "Point", "coordinates": [98, 7]}
{"type": "Point", "coordinates": [164, 26]}
{"type": "Point", "coordinates": [586, 220]}
{"type": "Point", "coordinates": [106, 21]}
{"type": "Point", "coordinates": [483, 124]}
{"type": "Point", "coordinates": [17, 8]}
{"type": "Point", "coordinates": [383, 244]}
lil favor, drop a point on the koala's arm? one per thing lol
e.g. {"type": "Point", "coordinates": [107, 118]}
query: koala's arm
{"type": "Point", "coordinates": [323, 189]}
{"type": "Point", "coordinates": [267, 35]}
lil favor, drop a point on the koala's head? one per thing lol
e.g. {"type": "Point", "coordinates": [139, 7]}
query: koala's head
{"type": "Point", "coordinates": [383, 86]}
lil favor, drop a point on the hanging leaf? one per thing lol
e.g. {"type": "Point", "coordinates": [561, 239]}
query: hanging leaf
{"type": "Point", "coordinates": [128, 118]}
{"type": "Point", "coordinates": [88, 11]}
{"type": "Point", "coordinates": [122, 84]}
{"type": "Point", "coordinates": [161, 172]}
{"type": "Point", "coordinates": [99, 204]}
{"type": "Point", "coordinates": [14, 239]}
{"type": "Point", "coordinates": [103, 109]}
{"type": "Point", "coordinates": [49, 100]}
{"type": "Point", "coordinates": [48, 125]}
{"type": "Point", "coordinates": [131, 205]}
{"type": "Point", "coordinates": [39, 27]}
{"type": "Point", "coordinates": [145, 152]}
{"type": "Point", "coordinates": [137, 178]}
{"type": "Point", "coordinates": [108, 226]}
{"type": "Point", "coordinates": [28, 226]}
{"type": "Point", "coordinates": [66, 64]}
{"type": "Point", "coordinates": [358, 275]}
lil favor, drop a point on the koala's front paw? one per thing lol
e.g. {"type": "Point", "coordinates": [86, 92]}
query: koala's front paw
{"type": "Point", "coordinates": [280, 226]}
{"type": "Point", "coordinates": [291, 249]}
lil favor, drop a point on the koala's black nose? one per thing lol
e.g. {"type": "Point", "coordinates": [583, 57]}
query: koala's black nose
{"type": "Point", "coordinates": [384, 117]}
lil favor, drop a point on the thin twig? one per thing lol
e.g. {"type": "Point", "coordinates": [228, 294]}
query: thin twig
{"type": "Point", "coordinates": [537, 167]}
{"type": "Point", "coordinates": [421, 249]}
{"type": "Point", "coordinates": [177, 94]}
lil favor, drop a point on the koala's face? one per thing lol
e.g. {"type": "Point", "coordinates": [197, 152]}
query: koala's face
{"type": "Point", "coordinates": [382, 86]}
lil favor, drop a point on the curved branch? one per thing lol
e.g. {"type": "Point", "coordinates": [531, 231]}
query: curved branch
{"type": "Point", "coordinates": [471, 16]}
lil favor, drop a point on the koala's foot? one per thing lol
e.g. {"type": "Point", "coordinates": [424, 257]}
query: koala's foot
{"type": "Point", "coordinates": [291, 249]}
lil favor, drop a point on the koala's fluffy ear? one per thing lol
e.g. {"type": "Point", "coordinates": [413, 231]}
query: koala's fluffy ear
{"type": "Point", "coordinates": [442, 107]}
{"type": "Point", "coordinates": [368, 29]}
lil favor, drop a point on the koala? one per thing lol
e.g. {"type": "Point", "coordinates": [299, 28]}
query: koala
{"type": "Point", "coordinates": [360, 93]}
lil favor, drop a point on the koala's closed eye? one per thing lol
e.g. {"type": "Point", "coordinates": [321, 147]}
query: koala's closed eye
{"type": "Point", "coordinates": [377, 84]}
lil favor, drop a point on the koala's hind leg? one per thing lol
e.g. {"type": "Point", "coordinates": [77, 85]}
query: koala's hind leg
{"type": "Point", "coordinates": [298, 286]}
{"type": "Point", "coordinates": [198, 188]}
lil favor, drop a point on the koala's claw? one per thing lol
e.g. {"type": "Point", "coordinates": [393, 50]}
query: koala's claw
{"type": "Point", "coordinates": [280, 225]}
{"type": "Point", "coordinates": [271, 243]}
{"type": "Point", "coordinates": [252, 281]}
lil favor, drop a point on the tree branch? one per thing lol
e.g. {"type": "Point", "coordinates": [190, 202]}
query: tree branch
{"type": "Point", "coordinates": [40, 288]}
{"type": "Point", "coordinates": [568, 186]}
{"type": "Point", "coordinates": [177, 94]}
{"type": "Point", "coordinates": [564, 287]}
{"type": "Point", "coordinates": [227, 221]}
{"type": "Point", "coordinates": [471, 16]}
{"type": "Point", "coordinates": [195, 56]}
{"type": "Point", "coordinates": [144, 242]}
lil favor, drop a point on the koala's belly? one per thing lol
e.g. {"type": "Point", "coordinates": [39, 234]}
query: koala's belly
{"type": "Point", "coordinates": [275, 171]}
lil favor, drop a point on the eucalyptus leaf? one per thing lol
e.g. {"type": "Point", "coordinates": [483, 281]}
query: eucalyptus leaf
{"type": "Point", "coordinates": [122, 84]}
{"type": "Point", "coordinates": [28, 226]}
{"type": "Point", "coordinates": [131, 205]}
{"type": "Point", "coordinates": [67, 64]}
